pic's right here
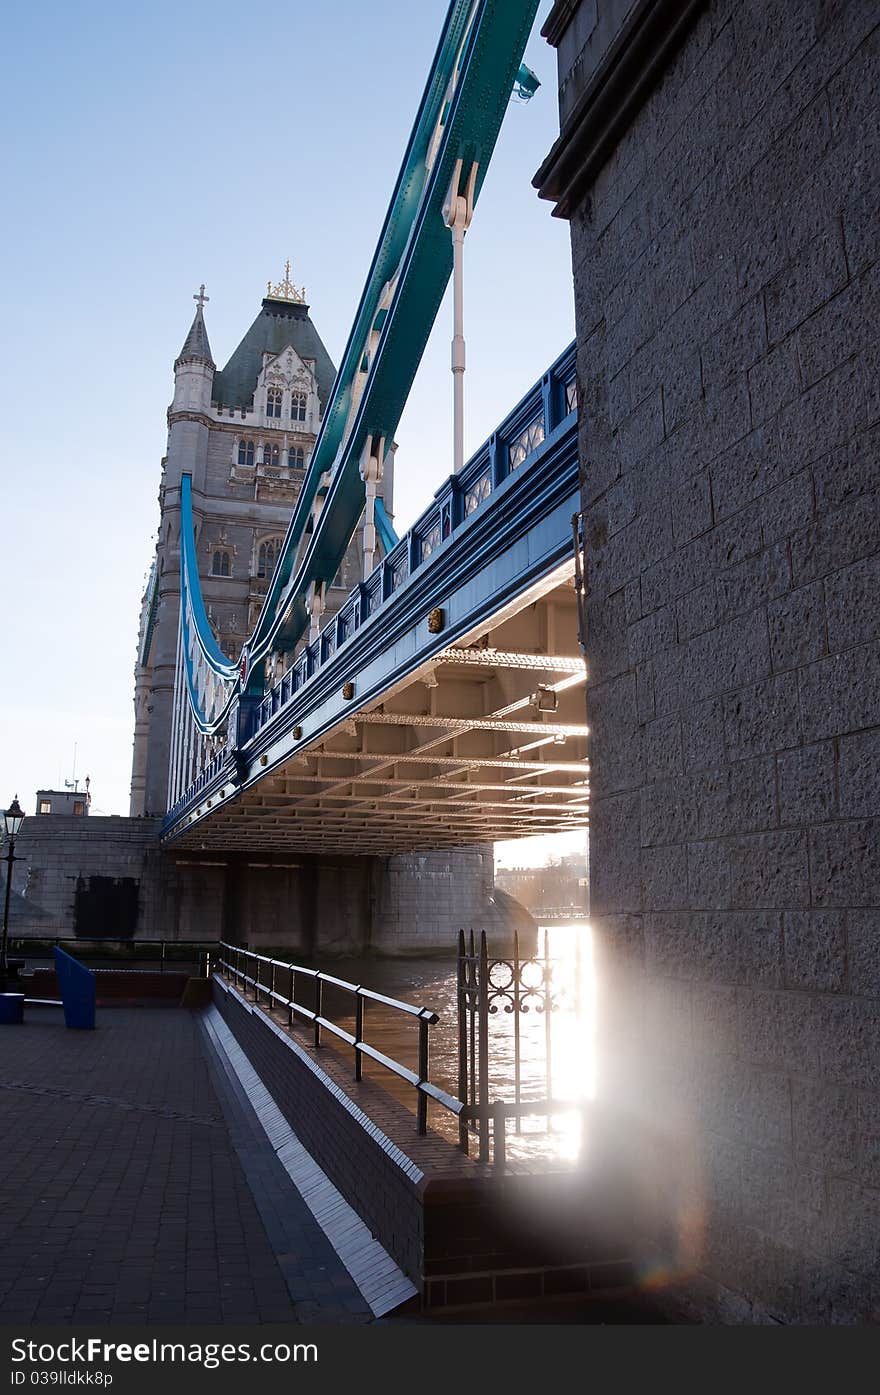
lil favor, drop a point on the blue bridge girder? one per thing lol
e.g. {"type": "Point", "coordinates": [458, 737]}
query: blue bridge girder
{"type": "Point", "coordinates": [460, 596]}
{"type": "Point", "coordinates": [473, 73]}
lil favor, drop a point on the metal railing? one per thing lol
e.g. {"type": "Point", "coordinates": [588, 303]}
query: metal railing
{"type": "Point", "coordinates": [121, 952]}
{"type": "Point", "coordinates": [263, 975]}
{"type": "Point", "coordinates": [515, 986]}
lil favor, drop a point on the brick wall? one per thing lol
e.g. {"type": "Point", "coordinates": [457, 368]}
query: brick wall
{"type": "Point", "coordinates": [727, 299]}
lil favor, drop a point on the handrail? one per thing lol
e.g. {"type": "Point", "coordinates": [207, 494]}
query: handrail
{"type": "Point", "coordinates": [235, 961]}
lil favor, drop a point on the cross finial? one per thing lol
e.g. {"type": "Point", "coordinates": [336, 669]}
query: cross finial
{"type": "Point", "coordinates": [201, 298]}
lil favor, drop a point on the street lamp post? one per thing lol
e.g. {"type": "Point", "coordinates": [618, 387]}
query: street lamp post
{"type": "Point", "coordinates": [13, 819]}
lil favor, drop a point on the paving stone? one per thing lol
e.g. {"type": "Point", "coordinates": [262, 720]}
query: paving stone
{"type": "Point", "coordinates": [144, 1212]}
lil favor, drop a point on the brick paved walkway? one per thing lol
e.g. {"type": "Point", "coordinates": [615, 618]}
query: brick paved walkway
{"type": "Point", "coordinates": [123, 1189]}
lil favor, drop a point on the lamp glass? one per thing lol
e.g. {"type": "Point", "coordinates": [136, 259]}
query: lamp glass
{"type": "Point", "coordinates": [13, 818]}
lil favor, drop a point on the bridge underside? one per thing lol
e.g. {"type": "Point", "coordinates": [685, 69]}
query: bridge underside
{"type": "Point", "coordinates": [484, 742]}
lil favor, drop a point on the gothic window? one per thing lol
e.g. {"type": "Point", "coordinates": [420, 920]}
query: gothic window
{"type": "Point", "coordinates": [245, 452]}
{"type": "Point", "coordinates": [271, 455]}
{"type": "Point", "coordinates": [268, 555]}
{"type": "Point", "coordinates": [298, 403]}
{"type": "Point", "coordinates": [273, 401]}
{"type": "Point", "coordinates": [220, 565]}
{"type": "Point", "coordinates": [296, 458]}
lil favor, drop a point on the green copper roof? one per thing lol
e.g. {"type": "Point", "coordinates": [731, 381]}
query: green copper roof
{"type": "Point", "coordinates": [279, 323]}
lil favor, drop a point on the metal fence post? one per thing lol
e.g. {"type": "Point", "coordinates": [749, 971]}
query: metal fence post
{"type": "Point", "coordinates": [548, 1024]}
{"type": "Point", "coordinates": [318, 1008]}
{"type": "Point", "coordinates": [358, 1034]}
{"type": "Point", "coordinates": [517, 1009]}
{"type": "Point", "coordinates": [484, 1047]}
{"type": "Point", "coordinates": [499, 1138]}
{"type": "Point", "coordinates": [462, 1042]}
{"type": "Point", "coordinates": [422, 1101]}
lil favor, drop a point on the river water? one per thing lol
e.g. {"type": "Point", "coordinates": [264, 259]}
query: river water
{"type": "Point", "coordinates": [564, 1072]}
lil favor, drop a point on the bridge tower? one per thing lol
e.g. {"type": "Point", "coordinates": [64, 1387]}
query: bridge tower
{"type": "Point", "coordinates": [245, 434]}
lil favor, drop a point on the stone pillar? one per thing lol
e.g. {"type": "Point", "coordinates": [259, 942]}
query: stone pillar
{"type": "Point", "coordinates": [717, 162]}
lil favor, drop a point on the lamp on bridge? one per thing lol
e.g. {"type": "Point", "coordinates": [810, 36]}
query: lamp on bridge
{"type": "Point", "coordinates": [13, 819]}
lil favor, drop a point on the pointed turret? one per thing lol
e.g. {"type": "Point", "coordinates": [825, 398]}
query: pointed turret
{"type": "Point", "coordinates": [196, 347]}
{"type": "Point", "coordinates": [194, 367]}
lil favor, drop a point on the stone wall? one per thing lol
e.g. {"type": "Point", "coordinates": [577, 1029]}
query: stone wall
{"type": "Point", "coordinates": [103, 877]}
{"type": "Point", "coordinates": [724, 248]}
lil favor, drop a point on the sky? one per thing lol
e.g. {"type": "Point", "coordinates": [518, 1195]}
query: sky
{"type": "Point", "coordinates": [154, 146]}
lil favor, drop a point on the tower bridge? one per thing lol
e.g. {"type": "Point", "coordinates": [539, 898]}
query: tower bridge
{"type": "Point", "coordinates": [443, 703]}
{"type": "Point", "coordinates": [440, 704]}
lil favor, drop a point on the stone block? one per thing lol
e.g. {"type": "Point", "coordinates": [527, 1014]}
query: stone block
{"type": "Point", "coordinates": [664, 878]}
{"type": "Point", "coordinates": [852, 92]}
{"type": "Point", "coordinates": [632, 601]}
{"type": "Point", "coordinates": [834, 333]}
{"type": "Point", "coordinates": [620, 506]}
{"type": "Point", "coordinates": [812, 278]}
{"type": "Point", "coordinates": [708, 875]}
{"type": "Point", "coordinates": [616, 742]}
{"type": "Point", "coordinates": [815, 950]}
{"type": "Point", "coordinates": [835, 540]}
{"type": "Point", "coordinates": [739, 798]}
{"type": "Point", "coordinates": [615, 881]}
{"type": "Point", "coordinates": [807, 779]}
{"type": "Point", "coordinates": [859, 776]}
{"type": "Point", "coordinates": [824, 416]}
{"type": "Point", "coordinates": [848, 472]}
{"type": "Point", "coordinates": [869, 363]}
{"type": "Point", "coordinates": [769, 871]}
{"type": "Point", "coordinates": [863, 958]}
{"type": "Point", "coordinates": [824, 1121]}
{"type": "Point", "coordinates": [696, 612]}
{"type": "Point", "coordinates": [797, 627]}
{"type": "Point", "coordinates": [845, 863]}
{"type": "Point", "coordinates": [722, 419]}
{"type": "Point", "coordinates": [764, 252]}
{"type": "Point", "coordinates": [662, 749]}
{"type": "Point", "coordinates": [732, 350]}
{"type": "Point", "coordinates": [692, 508]}
{"type": "Point", "coordinates": [668, 812]}
{"type": "Point", "coordinates": [840, 694]}
{"type": "Point", "coordinates": [645, 692]}
{"type": "Point", "coordinates": [674, 575]}
{"type": "Point", "coordinates": [763, 718]}
{"type": "Point", "coordinates": [737, 538]}
{"type": "Point", "coordinates": [607, 652]}
{"type": "Point", "coordinates": [773, 381]}
{"type": "Point", "coordinates": [703, 735]}
{"type": "Point", "coordinates": [852, 601]}
{"type": "Point", "coordinates": [734, 654]}
{"type": "Point", "coordinates": [786, 508]}
{"type": "Point", "coordinates": [860, 230]}
{"type": "Point", "coordinates": [650, 635]}
{"type": "Point", "coordinates": [716, 946]}
{"type": "Point", "coordinates": [856, 1212]}
{"type": "Point", "coordinates": [752, 583]}
{"type": "Point", "coordinates": [682, 387]}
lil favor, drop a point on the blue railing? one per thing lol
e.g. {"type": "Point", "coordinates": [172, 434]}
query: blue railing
{"type": "Point", "coordinates": [516, 440]}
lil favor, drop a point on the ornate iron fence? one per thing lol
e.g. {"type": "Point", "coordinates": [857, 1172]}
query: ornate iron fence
{"type": "Point", "coordinates": [515, 985]}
